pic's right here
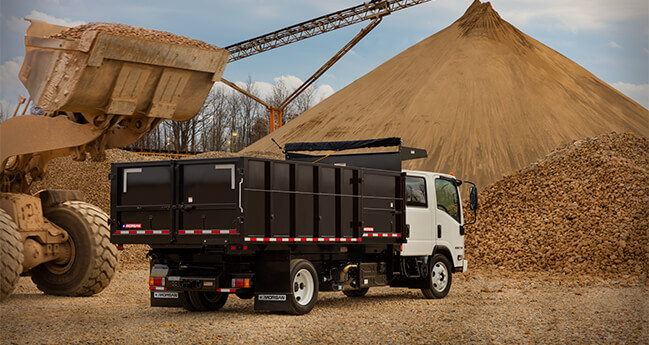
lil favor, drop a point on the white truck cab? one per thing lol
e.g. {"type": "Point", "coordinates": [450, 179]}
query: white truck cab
{"type": "Point", "coordinates": [434, 216]}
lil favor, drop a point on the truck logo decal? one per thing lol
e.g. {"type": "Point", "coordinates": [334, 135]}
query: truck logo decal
{"type": "Point", "coordinates": [132, 226]}
{"type": "Point", "coordinates": [272, 298]}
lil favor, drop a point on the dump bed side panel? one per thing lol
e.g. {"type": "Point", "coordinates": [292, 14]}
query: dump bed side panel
{"type": "Point", "coordinates": [288, 201]}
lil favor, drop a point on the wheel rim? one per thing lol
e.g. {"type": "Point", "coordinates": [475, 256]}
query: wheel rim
{"type": "Point", "coordinates": [65, 260]}
{"type": "Point", "coordinates": [303, 287]}
{"type": "Point", "coordinates": [439, 277]}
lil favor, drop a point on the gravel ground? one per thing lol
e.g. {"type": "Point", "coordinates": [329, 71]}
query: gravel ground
{"type": "Point", "coordinates": [482, 307]}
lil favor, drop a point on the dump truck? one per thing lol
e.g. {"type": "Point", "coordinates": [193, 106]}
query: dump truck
{"type": "Point", "coordinates": [98, 90]}
{"type": "Point", "coordinates": [280, 231]}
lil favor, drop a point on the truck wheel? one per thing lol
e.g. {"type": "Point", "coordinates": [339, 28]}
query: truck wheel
{"type": "Point", "coordinates": [11, 255]}
{"type": "Point", "coordinates": [205, 301]}
{"type": "Point", "coordinates": [304, 285]}
{"type": "Point", "coordinates": [187, 304]}
{"type": "Point", "coordinates": [356, 293]}
{"type": "Point", "coordinates": [92, 260]}
{"type": "Point", "coordinates": [439, 280]}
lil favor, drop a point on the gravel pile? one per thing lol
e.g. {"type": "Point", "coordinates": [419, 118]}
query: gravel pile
{"type": "Point", "coordinates": [133, 31]}
{"type": "Point", "coordinates": [583, 209]}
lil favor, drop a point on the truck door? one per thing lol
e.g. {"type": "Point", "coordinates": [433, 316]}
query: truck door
{"type": "Point", "coordinates": [449, 218]}
{"type": "Point", "coordinates": [419, 216]}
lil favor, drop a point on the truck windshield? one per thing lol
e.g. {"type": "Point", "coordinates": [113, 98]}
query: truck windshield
{"type": "Point", "coordinates": [416, 191]}
{"type": "Point", "coordinates": [447, 198]}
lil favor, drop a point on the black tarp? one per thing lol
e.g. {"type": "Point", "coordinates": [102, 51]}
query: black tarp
{"type": "Point", "coordinates": [342, 145]}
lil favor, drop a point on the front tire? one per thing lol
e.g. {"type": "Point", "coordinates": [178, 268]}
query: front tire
{"type": "Point", "coordinates": [440, 278]}
{"type": "Point", "coordinates": [11, 255]}
{"type": "Point", "coordinates": [304, 287]}
{"type": "Point", "coordinates": [92, 260]}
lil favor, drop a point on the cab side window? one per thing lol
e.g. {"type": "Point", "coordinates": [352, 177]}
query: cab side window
{"type": "Point", "coordinates": [447, 198]}
{"type": "Point", "coordinates": [416, 192]}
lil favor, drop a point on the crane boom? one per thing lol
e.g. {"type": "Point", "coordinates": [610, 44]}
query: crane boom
{"type": "Point", "coordinates": [317, 26]}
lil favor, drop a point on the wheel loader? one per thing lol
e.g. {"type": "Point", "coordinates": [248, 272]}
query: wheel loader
{"type": "Point", "coordinates": [99, 90]}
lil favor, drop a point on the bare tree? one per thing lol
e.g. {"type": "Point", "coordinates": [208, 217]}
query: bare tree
{"type": "Point", "coordinates": [302, 103]}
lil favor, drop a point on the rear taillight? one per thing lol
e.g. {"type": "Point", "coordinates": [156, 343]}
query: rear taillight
{"type": "Point", "coordinates": [156, 281]}
{"type": "Point", "coordinates": [241, 283]}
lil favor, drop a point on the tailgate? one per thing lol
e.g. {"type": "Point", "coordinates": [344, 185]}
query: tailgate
{"type": "Point", "coordinates": [186, 202]}
{"type": "Point", "coordinates": [142, 202]}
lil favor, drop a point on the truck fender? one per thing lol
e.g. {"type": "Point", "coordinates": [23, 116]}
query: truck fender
{"type": "Point", "coordinates": [444, 250]}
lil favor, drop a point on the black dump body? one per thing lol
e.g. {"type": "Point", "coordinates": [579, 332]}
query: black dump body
{"type": "Point", "coordinates": [223, 202]}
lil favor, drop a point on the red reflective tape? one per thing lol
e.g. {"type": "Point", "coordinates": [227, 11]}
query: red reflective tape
{"type": "Point", "coordinates": [148, 232]}
{"type": "Point", "coordinates": [165, 232]}
{"type": "Point", "coordinates": [182, 232]}
{"type": "Point", "coordinates": [232, 231]}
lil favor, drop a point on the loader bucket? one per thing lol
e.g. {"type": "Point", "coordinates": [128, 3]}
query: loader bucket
{"type": "Point", "coordinates": [106, 73]}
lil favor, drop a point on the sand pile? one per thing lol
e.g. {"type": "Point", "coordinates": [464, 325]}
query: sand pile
{"type": "Point", "coordinates": [133, 31]}
{"type": "Point", "coordinates": [480, 96]}
{"type": "Point", "coordinates": [583, 209]}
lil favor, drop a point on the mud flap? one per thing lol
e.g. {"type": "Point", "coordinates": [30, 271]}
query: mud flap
{"type": "Point", "coordinates": [273, 281]}
{"type": "Point", "coordinates": [166, 299]}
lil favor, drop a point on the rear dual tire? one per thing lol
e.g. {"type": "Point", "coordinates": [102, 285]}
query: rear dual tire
{"type": "Point", "coordinates": [356, 293]}
{"type": "Point", "coordinates": [203, 300]}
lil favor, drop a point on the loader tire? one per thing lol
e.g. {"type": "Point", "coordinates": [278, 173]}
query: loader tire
{"type": "Point", "coordinates": [11, 255]}
{"type": "Point", "coordinates": [93, 258]}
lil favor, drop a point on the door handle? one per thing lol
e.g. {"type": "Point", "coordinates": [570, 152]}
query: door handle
{"type": "Point", "coordinates": [439, 231]}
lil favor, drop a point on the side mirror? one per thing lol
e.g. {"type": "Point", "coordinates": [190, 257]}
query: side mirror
{"type": "Point", "coordinates": [473, 198]}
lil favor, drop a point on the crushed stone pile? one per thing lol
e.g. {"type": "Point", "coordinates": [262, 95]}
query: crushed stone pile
{"type": "Point", "coordinates": [133, 31]}
{"type": "Point", "coordinates": [581, 210]}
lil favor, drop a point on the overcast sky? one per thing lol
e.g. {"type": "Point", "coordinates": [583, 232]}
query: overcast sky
{"type": "Point", "coordinates": [608, 38]}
